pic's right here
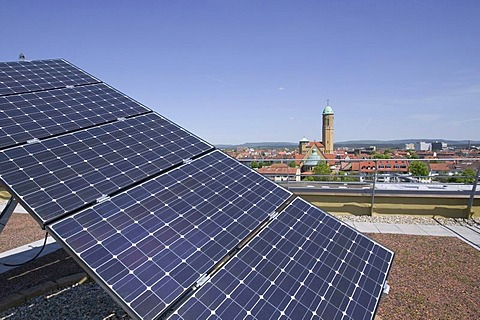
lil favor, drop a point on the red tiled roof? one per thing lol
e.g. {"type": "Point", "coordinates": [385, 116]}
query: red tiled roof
{"type": "Point", "coordinates": [440, 167]}
{"type": "Point", "coordinates": [307, 173]}
{"type": "Point", "coordinates": [349, 166]}
{"type": "Point", "coordinates": [278, 168]}
{"type": "Point", "coordinates": [384, 166]}
{"type": "Point", "coordinates": [299, 158]}
{"type": "Point", "coordinates": [318, 144]}
{"type": "Point", "coordinates": [331, 158]}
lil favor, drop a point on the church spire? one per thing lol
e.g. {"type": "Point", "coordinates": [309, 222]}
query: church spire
{"type": "Point", "coordinates": [327, 128]}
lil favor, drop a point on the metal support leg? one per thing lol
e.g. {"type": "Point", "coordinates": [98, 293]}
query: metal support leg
{"type": "Point", "coordinates": [372, 205]}
{"type": "Point", "coordinates": [472, 195]}
{"type": "Point", "coordinates": [7, 212]}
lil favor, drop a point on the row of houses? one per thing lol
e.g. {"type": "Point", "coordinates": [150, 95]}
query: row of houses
{"type": "Point", "coordinates": [310, 153]}
{"type": "Point", "coordinates": [284, 172]}
{"type": "Point", "coordinates": [387, 169]}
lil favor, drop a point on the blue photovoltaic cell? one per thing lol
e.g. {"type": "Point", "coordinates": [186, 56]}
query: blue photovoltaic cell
{"type": "Point", "coordinates": [304, 265]}
{"type": "Point", "coordinates": [58, 175]}
{"type": "Point", "coordinates": [28, 76]}
{"type": "Point", "coordinates": [45, 113]}
{"type": "Point", "coordinates": [148, 245]}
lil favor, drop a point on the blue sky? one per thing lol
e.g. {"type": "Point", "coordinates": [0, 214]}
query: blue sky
{"type": "Point", "coordinates": [238, 71]}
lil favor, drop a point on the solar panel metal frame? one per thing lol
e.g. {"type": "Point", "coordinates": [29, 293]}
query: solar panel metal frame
{"type": "Point", "coordinates": [265, 256]}
{"type": "Point", "coordinates": [211, 182]}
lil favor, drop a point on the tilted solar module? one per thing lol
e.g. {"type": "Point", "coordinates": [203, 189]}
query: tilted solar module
{"type": "Point", "coordinates": [152, 211]}
{"type": "Point", "coordinates": [43, 114]}
{"type": "Point", "coordinates": [304, 265]}
{"type": "Point", "coordinates": [58, 175]}
{"type": "Point", "coordinates": [28, 76]}
{"type": "Point", "coordinates": [149, 245]}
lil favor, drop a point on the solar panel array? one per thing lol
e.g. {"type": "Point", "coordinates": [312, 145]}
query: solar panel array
{"type": "Point", "coordinates": [165, 223]}
{"type": "Point", "coordinates": [153, 242]}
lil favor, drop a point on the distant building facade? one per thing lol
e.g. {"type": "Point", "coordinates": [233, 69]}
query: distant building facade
{"type": "Point", "coordinates": [439, 146]}
{"type": "Point", "coordinates": [423, 146]}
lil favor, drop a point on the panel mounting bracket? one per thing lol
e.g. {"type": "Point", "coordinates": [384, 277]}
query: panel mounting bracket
{"type": "Point", "coordinates": [187, 161]}
{"type": "Point", "coordinates": [7, 212]}
{"type": "Point", "coordinates": [273, 214]}
{"type": "Point", "coordinates": [35, 140]}
{"type": "Point", "coordinates": [386, 289]}
{"type": "Point", "coordinates": [103, 198]}
{"type": "Point", "coordinates": [202, 280]}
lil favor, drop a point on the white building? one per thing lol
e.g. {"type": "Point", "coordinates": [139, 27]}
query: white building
{"type": "Point", "coordinates": [409, 146]}
{"type": "Point", "coordinates": [423, 146]}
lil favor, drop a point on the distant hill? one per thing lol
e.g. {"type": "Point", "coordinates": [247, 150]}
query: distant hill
{"type": "Point", "coordinates": [353, 144]}
{"type": "Point", "coordinates": [401, 143]}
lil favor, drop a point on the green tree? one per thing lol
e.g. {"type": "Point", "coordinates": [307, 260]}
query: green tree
{"type": "Point", "coordinates": [323, 170]}
{"type": "Point", "coordinates": [292, 164]}
{"type": "Point", "coordinates": [418, 169]}
{"type": "Point", "coordinates": [454, 180]}
{"type": "Point", "coordinates": [342, 176]}
{"type": "Point", "coordinates": [385, 155]}
{"type": "Point", "coordinates": [468, 176]}
{"type": "Point", "coordinates": [254, 165]}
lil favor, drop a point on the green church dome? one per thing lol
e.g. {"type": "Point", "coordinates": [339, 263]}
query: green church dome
{"type": "Point", "coordinates": [313, 159]}
{"type": "Point", "coordinates": [328, 110]}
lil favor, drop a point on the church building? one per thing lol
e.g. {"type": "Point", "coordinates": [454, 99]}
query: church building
{"type": "Point", "coordinates": [312, 152]}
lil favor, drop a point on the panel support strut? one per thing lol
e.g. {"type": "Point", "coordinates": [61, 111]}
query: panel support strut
{"type": "Point", "coordinates": [7, 212]}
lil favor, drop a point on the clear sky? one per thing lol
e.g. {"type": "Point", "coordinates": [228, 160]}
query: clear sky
{"type": "Point", "coordinates": [246, 70]}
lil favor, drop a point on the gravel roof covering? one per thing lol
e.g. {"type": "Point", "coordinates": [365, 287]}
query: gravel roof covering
{"type": "Point", "coordinates": [20, 229]}
{"type": "Point", "coordinates": [431, 277]}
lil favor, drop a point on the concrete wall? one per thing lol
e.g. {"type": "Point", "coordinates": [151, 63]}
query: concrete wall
{"type": "Point", "coordinates": [451, 207]}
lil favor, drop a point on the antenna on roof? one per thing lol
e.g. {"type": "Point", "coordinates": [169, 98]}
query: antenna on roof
{"type": "Point", "coordinates": [21, 57]}
{"type": "Point", "coordinates": [328, 102]}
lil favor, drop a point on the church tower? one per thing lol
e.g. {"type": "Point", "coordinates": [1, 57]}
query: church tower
{"type": "Point", "coordinates": [327, 128]}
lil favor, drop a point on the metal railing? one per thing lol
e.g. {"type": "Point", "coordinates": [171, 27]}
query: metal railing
{"type": "Point", "coordinates": [376, 175]}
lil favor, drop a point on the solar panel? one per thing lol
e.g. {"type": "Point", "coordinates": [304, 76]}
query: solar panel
{"type": "Point", "coordinates": [304, 265]}
{"type": "Point", "coordinates": [42, 114]}
{"type": "Point", "coordinates": [58, 175]}
{"type": "Point", "coordinates": [150, 244]}
{"type": "Point", "coordinates": [29, 76]}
